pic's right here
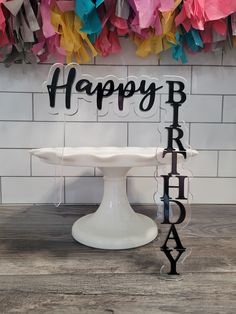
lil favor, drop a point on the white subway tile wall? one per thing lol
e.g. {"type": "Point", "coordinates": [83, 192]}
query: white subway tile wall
{"type": "Point", "coordinates": [83, 190]}
{"type": "Point", "coordinates": [210, 80]}
{"type": "Point", "coordinates": [194, 59]}
{"type": "Point", "coordinates": [227, 163]}
{"type": "Point", "coordinates": [25, 122]}
{"type": "Point", "coordinates": [16, 106]}
{"type": "Point", "coordinates": [42, 169]}
{"type": "Point", "coordinates": [195, 108]}
{"type": "Point", "coordinates": [229, 112]}
{"type": "Point", "coordinates": [213, 136]}
{"type": "Point", "coordinates": [30, 190]}
{"type": "Point", "coordinates": [95, 134]}
{"type": "Point", "coordinates": [86, 111]}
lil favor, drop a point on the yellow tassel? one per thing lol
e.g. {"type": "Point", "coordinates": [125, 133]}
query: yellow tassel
{"type": "Point", "coordinates": [76, 44]}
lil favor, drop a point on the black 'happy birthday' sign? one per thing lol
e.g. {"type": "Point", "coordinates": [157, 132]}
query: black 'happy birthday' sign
{"type": "Point", "coordinates": [148, 90]}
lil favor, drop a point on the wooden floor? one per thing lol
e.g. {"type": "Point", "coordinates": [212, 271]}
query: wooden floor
{"type": "Point", "coordinates": [43, 270]}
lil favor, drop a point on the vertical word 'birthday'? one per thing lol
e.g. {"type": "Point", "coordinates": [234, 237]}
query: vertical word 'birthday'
{"type": "Point", "coordinates": [176, 91]}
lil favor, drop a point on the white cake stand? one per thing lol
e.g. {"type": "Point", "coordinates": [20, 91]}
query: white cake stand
{"type": "Point", "coordinates": [114, 225]}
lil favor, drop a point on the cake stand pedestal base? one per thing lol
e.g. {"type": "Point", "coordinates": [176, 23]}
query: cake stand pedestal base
{"type": "Point", "coordinates": [114, 225]}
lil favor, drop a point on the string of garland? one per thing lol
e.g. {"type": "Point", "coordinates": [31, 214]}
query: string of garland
{"type": "Point", "coordinates": [34, 31]}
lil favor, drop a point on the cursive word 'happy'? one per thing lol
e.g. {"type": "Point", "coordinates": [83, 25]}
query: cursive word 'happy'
{"type": "Point", "coordinates": [104, 89]}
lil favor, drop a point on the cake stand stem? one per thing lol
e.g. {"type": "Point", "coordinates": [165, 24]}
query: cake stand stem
{"type": "Point", "coordinates": [114, 225]}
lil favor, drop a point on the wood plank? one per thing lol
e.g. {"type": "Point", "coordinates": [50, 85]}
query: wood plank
{"type": "Point", "coordinates": [50, 257]}
{"type": "Point", "coordinates": [135, 284]}
{"type": "Point", "coordinates": [117, 293]}
{"type": "Point", "coordinates": [115, 303]}
{"type": "Point", "coordinates": [208, 211]}
{"type": "Point", "coordinates": [47, 222]}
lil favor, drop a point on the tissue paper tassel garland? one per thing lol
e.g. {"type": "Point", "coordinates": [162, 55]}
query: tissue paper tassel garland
{"type": "Point", "coordinates": [65, 31]}
{"type": "Point", "coordinates": [207, 16]}
{"type": "Point", "coordinates": [48, 41]}
{"type": "Point", "coordinates": [160, 38]}
{"type": "Point", "coordinates": [114, 17]}
{"type": "Point", "coordinates": [19, 22]}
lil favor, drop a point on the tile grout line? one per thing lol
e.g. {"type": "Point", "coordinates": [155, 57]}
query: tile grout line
{"type": "Point", "coordinates": [31, 172]}
{"type": "Point", "coordinates": [200, 149]}
{"type": "Point", "coordinates": [100, 176]}
{"type": "Point", "coordinates": [222, 109]}
{"type": "Point", "coordinates": [158, 65]}
{"type": "Point", "coordinates": [64, 189]}
{"type": "Point", "coordinates": [64, 133]}
{"type": "Point", "coordinates": [191, 81]}
{"type": "Point", "coordinates": [127, 133]}
{"type": "Point", "coordinates": [160, 106]}
{"type": "Point", "coordinates": [62, 93]}
{"type": "Point", "coordinates": [189, 133]}
{"type": "Point", "coordinates": [32, 106]}
{"type": "Point", "coordinates": [217, 164]}
{"type": "Point", "coordinates": [112, 121]}
{"type": "Point", "coordinates": [222, 58]}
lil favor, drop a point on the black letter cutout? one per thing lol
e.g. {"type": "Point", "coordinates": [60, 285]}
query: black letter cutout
{"type": "Point", "coordinates": [53, 87]}
{"type": "Point", "coordinates": [179, 247]}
